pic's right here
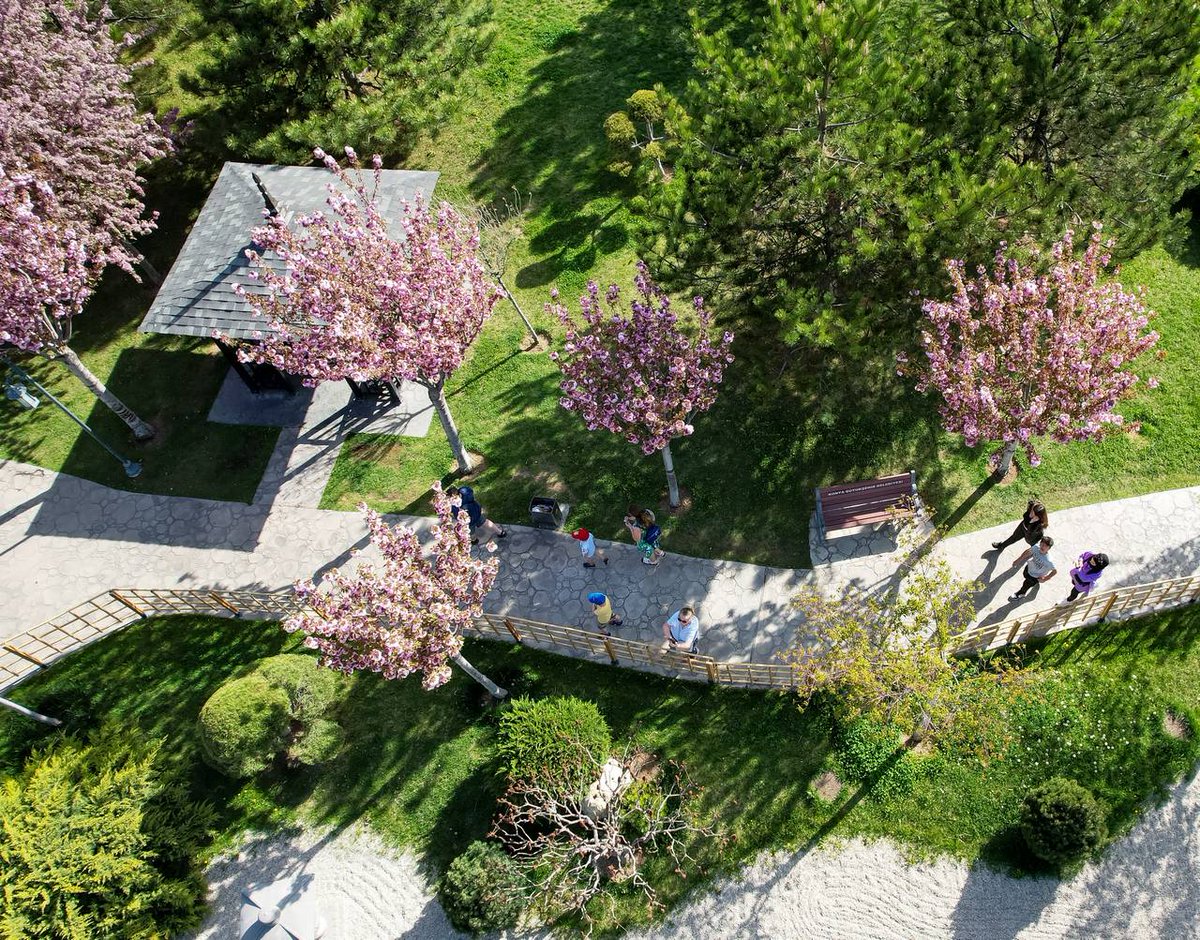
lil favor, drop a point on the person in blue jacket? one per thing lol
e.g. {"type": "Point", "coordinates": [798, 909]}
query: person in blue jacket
{"type": "Point", "coordinates": [479, 522]}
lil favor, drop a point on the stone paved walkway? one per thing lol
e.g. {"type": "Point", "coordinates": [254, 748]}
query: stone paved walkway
{"type": "Point", "coordinates": [63, 540]}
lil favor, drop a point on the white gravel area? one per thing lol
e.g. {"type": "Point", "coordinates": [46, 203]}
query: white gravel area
{"type": "Point", "coordinates": [1147, 886]}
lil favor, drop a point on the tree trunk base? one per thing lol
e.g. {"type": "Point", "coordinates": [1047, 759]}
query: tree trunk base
{"type": "Point", "coordinates": [528, 345]}
{"type": "Point", "coordinates": [480, 464]}
{"type": "Point", "coordinates": [685, 503]}
{"type": "Point", "coordinates": [1010, 475]}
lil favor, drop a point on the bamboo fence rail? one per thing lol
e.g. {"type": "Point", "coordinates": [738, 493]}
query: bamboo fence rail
{"type": "Point", "coordinates": [26, 653]}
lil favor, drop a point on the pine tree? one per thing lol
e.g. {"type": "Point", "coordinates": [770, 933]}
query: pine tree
{"type": "Point", "coordinates": [803, 181]}
{"type": "Point", "coordinates": [364, 73]}
{"type": "Point", "coordinates": [1089, 94]}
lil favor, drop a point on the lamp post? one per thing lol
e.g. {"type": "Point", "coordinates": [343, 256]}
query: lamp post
{"type": "Point", "coordinates": [15, 391]}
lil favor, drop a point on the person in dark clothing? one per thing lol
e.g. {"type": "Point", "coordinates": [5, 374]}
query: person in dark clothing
{"type": "Point", "coordinates": [479, 522]}
{"type": "Point", "coordinates": [1031, 528]}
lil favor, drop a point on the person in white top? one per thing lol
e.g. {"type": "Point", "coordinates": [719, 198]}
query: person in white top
{"type": "Point", "coordinates": [1040, 568]}
{"type": "Point", "coordinates": [681, 630]}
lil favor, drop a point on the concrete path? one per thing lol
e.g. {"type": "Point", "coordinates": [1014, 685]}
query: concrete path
{"type": "Point", "coordinates": [63, 540]}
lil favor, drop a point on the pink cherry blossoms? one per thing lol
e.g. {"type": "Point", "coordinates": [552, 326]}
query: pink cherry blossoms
{"type": "Point", "coordinates": [71, 143]}
{"type": "Point", "coordinates": [345, 299]}
{"type": "Point", "coordinates": [1018, 355]}
{"type": "Point", "coordinates": [406, 616]}
{"type": "Point", "coordinates": [640, 374]}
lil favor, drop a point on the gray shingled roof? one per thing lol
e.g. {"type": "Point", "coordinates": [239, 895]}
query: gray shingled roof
{"type": "Point", "coordinates": [198, 295]}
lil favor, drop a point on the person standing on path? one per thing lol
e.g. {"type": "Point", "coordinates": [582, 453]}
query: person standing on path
{"type": "Point", "coordinates": [1040, 568]}
{"type": "Point", "coordinates": [602, 608]}
{"type": "Point", "coordinates": [1085, 576]}
{"type": "Point", "coordinates": [1031, 527]}
{"type": "Point", "coordinates": [636, 521]}
{"type": "Point", "coordinates": [682, 630]}
{"type": "Point", "coordinates": [646, 534]}
{"type": "Point", "coordinates": [587, 546]}
{"type": "Point", "coordinates": [480, 523]}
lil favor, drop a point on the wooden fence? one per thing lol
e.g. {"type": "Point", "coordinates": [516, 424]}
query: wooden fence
{"type": "Point", "coordinates": [1117, 604]}
{"type": "Point", "coordinates": [26, 653]}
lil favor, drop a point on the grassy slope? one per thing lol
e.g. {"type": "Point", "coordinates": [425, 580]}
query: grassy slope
{"type": "Point", "coordinates": [421, 766]}
{"type": "Point", "coordinates": [531, 117]}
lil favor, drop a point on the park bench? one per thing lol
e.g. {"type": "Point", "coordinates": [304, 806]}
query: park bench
{"type": "Point", "coordinates": [849, 505]}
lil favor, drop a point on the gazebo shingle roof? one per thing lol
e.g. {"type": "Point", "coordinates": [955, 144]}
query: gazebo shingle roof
{"type": "Point", "coordinates": [197, 296]}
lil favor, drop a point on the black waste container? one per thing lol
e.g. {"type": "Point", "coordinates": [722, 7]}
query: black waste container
{"type": "Point", "coordinates": [545, 513]}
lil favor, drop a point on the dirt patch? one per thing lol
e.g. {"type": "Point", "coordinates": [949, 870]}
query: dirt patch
{"type": "Point", "coordinates": [827, 786]}
{"type": "Point", "coordinates": [545, 479]}
{"type": "Point", "coordinates": [643, 765]}
{"type": "Point", "coordinates": [684, 507]}
{"type": "Point", "coordinates": [1014, 469]}
{"type": "Point", "coordinates": [528, 345]}
{"type": "Point", "coordinates": [480, 465]}
{"type": "Point", "coordinates": [1176, 726]}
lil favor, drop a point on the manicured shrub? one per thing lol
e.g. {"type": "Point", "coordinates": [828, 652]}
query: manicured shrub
{"type": "Point", "coordinates": [244, 725]}
{"type": "Point", "coordinates": [553, 742]}
{"type": "Point", "coordinates": [1061, 821]}
{"type": "Point", "coordinates": [100, 841]}
{"type": "Point", "coordinates": [481, 889]}
{"type": "Point", "coordinates": [281, 708]}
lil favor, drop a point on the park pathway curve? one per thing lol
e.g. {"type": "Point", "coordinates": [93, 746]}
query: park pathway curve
{"type": "Point", "coordinates": [63, 540]}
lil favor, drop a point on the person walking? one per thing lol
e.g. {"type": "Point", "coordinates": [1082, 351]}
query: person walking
{"type": "Point", "coordinates": [1033, 524]}
{"type": "Point", "coordinates": [681, 631]}
{"type": "Point", "coordinates": [1040, 567]}
{"type": "Point", "coordinates": [602, 608]}
{"type": "Point", "coordinates": [636, 520]}
{"type": "Point", "coordinates": [480, 523]}
{"type": "Point", "coordinates": [587, 546]}
{"type": "Point", "coordinates": [1085, 576]}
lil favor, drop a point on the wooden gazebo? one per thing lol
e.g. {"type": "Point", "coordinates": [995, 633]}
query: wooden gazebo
{"type": "Point", "coordinates": [198, 298]}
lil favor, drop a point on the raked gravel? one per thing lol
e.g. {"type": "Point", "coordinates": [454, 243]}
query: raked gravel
{"type": "Point", "coordinates": [1146, 886]}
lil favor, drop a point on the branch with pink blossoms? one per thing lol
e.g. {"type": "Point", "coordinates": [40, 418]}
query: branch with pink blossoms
{"type": "Point", "coordinates": [406, 615]}
{"type": "Point", "coordinates": [343, 298]}
{"type": "Point", "coordinates": [639, 372]}
{"type": "Point", "coordinates": [1017, 354]}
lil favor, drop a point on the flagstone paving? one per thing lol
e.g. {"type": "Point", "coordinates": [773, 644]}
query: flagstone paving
{"type": "Point", "coordinates": [63, 540]}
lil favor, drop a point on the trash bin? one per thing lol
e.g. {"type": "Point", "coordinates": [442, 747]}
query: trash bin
{"type": "Point", "coordinates": [545, 513]}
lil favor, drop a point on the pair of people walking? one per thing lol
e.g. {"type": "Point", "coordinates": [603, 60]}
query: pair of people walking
{"type": "Point", "coordinates": [1039, 566]}
{"type": "Point", "coordinates": [681, 631]}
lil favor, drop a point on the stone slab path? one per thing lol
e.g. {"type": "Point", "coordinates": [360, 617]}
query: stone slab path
{"type": "Point", "coordinates": [63, 540]}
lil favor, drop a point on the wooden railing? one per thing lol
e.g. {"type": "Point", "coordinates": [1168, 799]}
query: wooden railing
{"type": "Point", "coordinates": [1117, 604]}
{"type": "Point", "coordinates": [26, 653]}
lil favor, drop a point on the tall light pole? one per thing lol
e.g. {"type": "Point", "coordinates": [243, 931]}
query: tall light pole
{"type": "Point", "coordinates": [16, 391]}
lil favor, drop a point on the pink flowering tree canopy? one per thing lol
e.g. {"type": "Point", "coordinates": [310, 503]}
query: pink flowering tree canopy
{"type": "Point", "coordinates": [639, 371]}
{"type": "Point", "coordinates": [71, 143]}
{"type": "Point", "coordinates": [1019, 352]}
{"type": "Point", "coordinates": [343, 297]}
{"type": "Point", "coordinates": [406, 615]}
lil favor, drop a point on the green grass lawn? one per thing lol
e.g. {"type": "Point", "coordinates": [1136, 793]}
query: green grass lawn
{"type": "Point", "coordinates": [421, 766]}
{"type": "Point", "coordinates": [530, 118]}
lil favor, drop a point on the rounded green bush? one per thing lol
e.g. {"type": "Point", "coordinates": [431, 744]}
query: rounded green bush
{"type": "Point", "coordinates": [480, 890]}
{"type": "Point", "coordinates": [279, 708]}
{"type": "Point", "coordinates": [645, 105]}
{"type": "Point", "coordinates": [243, 725]}
{"type": "Point", "coordinates": [619, 130]}
{"type": "Point", "coordinates": [554, 742]}
{"type": "Point", "coordinates": [1061, 821]}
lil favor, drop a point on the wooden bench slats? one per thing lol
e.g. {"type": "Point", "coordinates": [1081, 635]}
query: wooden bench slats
{"type": "Point", "coordinates": [847, 505]}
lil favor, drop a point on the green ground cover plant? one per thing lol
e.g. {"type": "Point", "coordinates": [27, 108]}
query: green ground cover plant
{"type": "Point", "coordinates": [423, 768]}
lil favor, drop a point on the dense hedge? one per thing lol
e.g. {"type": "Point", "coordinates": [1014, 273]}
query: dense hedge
{"type": "Point", "coordinates": [554, 742]}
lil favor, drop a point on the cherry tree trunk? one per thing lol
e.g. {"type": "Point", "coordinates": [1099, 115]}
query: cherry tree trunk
{"type": "Point", "coordinates": [461, 662]}
{"type": "Point", "coordinates": [1006, 458]}
{"type": "Point", "coordinates": [672, 482]}
{"type": "Point", "coordinates": [141, 430]}
{"type": "Point", "coordinates": [521, 313]}
{"type": "Point", "coordinates": [437, 395]}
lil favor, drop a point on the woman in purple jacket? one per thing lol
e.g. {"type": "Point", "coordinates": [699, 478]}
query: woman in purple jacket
{"type": "Point", "coordinates": [1086, 574]}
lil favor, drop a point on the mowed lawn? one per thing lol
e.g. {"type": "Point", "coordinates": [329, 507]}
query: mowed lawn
{"type": "Point", "coordinates": [422, 768]}
{"type": "Point", "coordinates": [786, 421]}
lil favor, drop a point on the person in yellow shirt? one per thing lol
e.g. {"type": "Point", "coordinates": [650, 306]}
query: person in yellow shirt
{"type": "Point", "coordinates": [602, 608]}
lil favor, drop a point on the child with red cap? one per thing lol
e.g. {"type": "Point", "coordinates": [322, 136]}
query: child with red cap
{"type": "Point", "coordinates": [587, 546]}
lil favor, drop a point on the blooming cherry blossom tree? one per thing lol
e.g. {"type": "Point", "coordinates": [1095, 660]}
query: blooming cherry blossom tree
{"type": "Point", "coordinates": [640, 374]}
{"type": "Point", "coordinates": [1017, 354]}
{"type": "Point", "coordinates": [352, 301]}
{"type": "Point", "coordinates": [71, 143]}
{"type": "Point", "coordinates": [408, 615]}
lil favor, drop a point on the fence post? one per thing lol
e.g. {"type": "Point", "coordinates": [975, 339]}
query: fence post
{"type": "Point", "coordinates": [128, 603]}
{"type": "Point", "coordinates": [224, 603]}
{"type": "Point", "coordinates": [608, 648]}
{"type": "Point", "coordinates": [1107, 607]}
{"type": "Point", "coordinates": [1195, 597]}
{"type": "Point", "coordinates": [711, 668]}
{"type": "Point", "coordinates": [511, 629]}
{"type": "Point", "coordinates": [1012, 634]}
